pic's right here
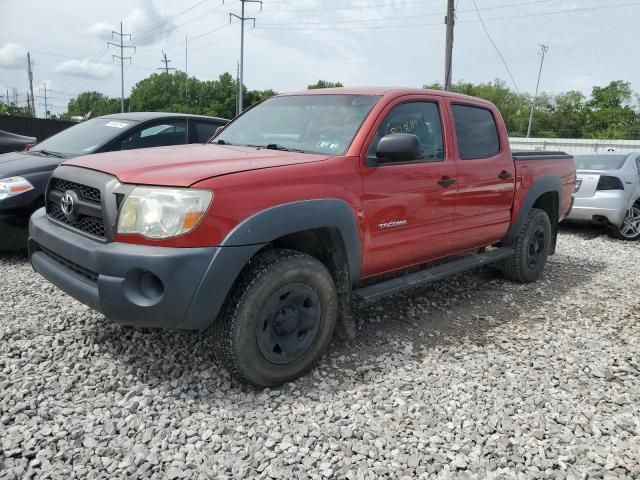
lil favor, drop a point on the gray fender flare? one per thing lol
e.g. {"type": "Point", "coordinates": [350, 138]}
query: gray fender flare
{"type": "Point", "coordinates": [540, 187]}
{"type": "Point", "coordinates": [247, 238]}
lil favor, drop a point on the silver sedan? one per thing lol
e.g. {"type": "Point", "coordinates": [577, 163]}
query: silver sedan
{"type": "Point", "coordinates": [607, 192]}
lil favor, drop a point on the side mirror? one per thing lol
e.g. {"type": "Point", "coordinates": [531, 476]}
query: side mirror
{"type": "Point", "coordinates": [402, 147]}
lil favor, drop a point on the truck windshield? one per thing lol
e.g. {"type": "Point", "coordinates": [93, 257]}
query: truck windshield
{"type": "Point", "coordinates": [600, 162]}
{"type": "Point", "coordinates": [310, 123]}
{"type": "Point", "coordinates": [85, 137]}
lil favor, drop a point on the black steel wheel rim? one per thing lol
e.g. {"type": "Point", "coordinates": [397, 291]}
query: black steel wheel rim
{"type": "Point", "coordinates": [536, 248]}
{"type": "Point", "coordinates": [288, 323]}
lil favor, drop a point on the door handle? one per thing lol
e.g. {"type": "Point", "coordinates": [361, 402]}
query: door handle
{"type": "Point", "coordinates": [504, 175]}
{"type": "Point", "coordinates": [446, 181]}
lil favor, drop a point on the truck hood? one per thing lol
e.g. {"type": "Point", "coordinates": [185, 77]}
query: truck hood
{"type": "Point", "coordinates": [184, 165]}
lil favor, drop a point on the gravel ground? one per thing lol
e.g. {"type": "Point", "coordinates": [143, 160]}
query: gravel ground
{"type": "Point", "coordinates": [474, 377]}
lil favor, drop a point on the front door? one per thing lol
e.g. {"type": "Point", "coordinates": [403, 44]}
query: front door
{"type": "Point", "coordinates": [408, 206]}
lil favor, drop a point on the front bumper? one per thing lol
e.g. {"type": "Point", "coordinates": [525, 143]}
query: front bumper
{"type": "Point", "coordinates": [137, 284]}
{"type": "Point", "coordinates": [14, 230]}
{"type": "Point", "coordinates": [610, 205]}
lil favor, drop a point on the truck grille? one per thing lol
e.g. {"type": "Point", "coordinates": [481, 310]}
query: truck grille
{"type": "Point", "coordinates": [91, 194]}
{"type": "Point", "coordinates": [91, 225]}
{"type": "Point", "coordinates": [88, 217]}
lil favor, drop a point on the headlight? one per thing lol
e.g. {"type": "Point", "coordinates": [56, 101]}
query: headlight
{"type": "Point", "coordinates": [14, 186]}
{"type": "Point", "coordinates": [163, 212]}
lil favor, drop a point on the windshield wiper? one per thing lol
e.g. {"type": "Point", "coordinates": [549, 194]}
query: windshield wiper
{"type": "Point", "coordinates": [49, 153]}
{"type": "Point", "coordinates": [276, 146]}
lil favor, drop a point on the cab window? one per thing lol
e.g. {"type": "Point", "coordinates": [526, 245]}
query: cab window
{"type": "Point", "coordinates": [157, 135]}
{"type": "Point", "coordinates": [476, 132]}
{"type": "Point", "coordinates": [421, 119]}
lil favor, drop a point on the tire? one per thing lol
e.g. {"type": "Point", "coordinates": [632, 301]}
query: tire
{"type": "Point", "coordinates": [630, 228]}
{"type": "Point", "coordinates": [531, 249]}
{"type": "Point", "coordinates": [278, 319]}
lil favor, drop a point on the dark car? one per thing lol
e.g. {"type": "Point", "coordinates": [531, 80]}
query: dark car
{"type": "Point", "coordinates": [12, 142]}
{"type": "Point", "coordinates": [24, 175]}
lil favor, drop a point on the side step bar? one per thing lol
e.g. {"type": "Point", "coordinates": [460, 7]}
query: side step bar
{"type": "Point", "coordinates": [431, 274]}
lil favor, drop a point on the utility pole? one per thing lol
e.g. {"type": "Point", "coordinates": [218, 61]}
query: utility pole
{"type": "Point", "coordinates": [449, 20]}
{"type": "Point", "coordinates": [7, 96]}
{"type": "Point", "coordinates": [30, 72]}
{"type": "Point", "coordinates": [543, 51]}
{"type": "Point", "coordinates": [186, 71]}
{"type": "Point", "coordinates": [166, 61]}
{"type": "Point", "coordinates": [46, 101]}
{"type": "Point", "coordinates": [122, 58]}
{"type": "Point", "coordinates": [243, 19]}
{"type": "Point", "coordinates": [238, 90]}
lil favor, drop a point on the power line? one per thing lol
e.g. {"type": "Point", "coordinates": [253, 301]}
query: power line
{"type": "Point", "coordinates": [329, 26]}
{"type": "Point", "coordinates": [122, 58]}
{"type": "Point", "coordinates": [243, 19]}
{"type": "Point", "coordinates": [145, 31]}
{"type": "Point", "coordinates": [404, 17]}
{"type": "Point", "coordinates": [515, 84]}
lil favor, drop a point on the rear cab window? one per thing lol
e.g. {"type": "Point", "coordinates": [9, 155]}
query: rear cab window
{"type": "Point", "coordinates": [476, 132]}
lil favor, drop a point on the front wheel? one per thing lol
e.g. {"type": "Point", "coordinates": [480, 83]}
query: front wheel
{"type": "Point", "coordinates": [630, 228]}
{"type": "Point", "coordinates": [279, 318]}
{"type": "Point", "coordinates": [531, 249]}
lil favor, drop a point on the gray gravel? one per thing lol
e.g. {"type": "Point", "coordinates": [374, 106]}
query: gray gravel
{"type": "Point", "coordinates": [472, 378]}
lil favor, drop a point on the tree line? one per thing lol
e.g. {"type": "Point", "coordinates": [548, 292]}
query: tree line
{"type": "Point", "coordinates": [611, 111]}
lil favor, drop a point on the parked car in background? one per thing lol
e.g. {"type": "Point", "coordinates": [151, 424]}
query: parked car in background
{"type": "Point", "coordinates": [607, 192]}
{"type": "Point", "coordinates": [12, 142]}
{"type": "Point", "coordinates": [302, 203]}
{"type": "Point", "coordinates": [24, 175]}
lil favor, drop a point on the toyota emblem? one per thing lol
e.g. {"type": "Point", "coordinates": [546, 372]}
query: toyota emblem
{"type": "Point", "coordinates": [66, 204]}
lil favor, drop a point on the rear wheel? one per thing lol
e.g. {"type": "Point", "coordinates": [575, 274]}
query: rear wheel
{"type": "Point", "coordinates": [278, 319]}
{"type": "Point", "coordinates": [531, 249]}
{"type": "Point", "coordinates": [630, 228]}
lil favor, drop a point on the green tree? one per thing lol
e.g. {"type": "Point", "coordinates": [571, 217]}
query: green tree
{"type": "Point", "coordinates": [14, 110]}
{"type": "Point", "coordinates": [324, 84]}
{"type": "Point", "coordinates": [164, 92]}
{"type": "Point", "coordinates": [93, 103]}
{"type": "Point", "coordinates": [569, 114]}
{"type": "Point", "coordinates": [610, 113]}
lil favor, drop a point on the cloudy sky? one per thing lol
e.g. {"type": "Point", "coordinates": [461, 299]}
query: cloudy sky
{"type": "Point", "coordinates": [296, 42]}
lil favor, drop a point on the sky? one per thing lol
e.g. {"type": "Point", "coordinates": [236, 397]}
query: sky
{"type": "Point", "coordinates": [296, 42]}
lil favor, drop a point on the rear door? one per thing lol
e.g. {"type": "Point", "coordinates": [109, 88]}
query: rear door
{"type": "Point", "coordinates": [408, 212]}
{"type": "Point", "coordinates": [486, 176]}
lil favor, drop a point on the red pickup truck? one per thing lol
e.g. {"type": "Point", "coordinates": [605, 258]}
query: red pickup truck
{"type": "Point", "coordinates": [300, 206]}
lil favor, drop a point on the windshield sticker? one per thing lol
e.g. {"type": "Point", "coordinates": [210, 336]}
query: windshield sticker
{"type": "Point", "coordinates": [329, 145]}
{"type": "Point", "coordinates": [116, 124]}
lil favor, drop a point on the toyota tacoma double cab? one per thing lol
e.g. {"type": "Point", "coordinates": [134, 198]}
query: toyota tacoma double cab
{"type": "Point", "coordinates": [302, 207]}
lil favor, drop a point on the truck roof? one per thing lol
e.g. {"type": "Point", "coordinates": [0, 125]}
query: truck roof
{"type": "Point", "coordinates": [384, 91]}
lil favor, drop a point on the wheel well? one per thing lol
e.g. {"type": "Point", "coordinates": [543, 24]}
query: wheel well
{"type": "Point", "coordinates": [549, 203]}
{"type": "Point", "coordinates": [326, 245]}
